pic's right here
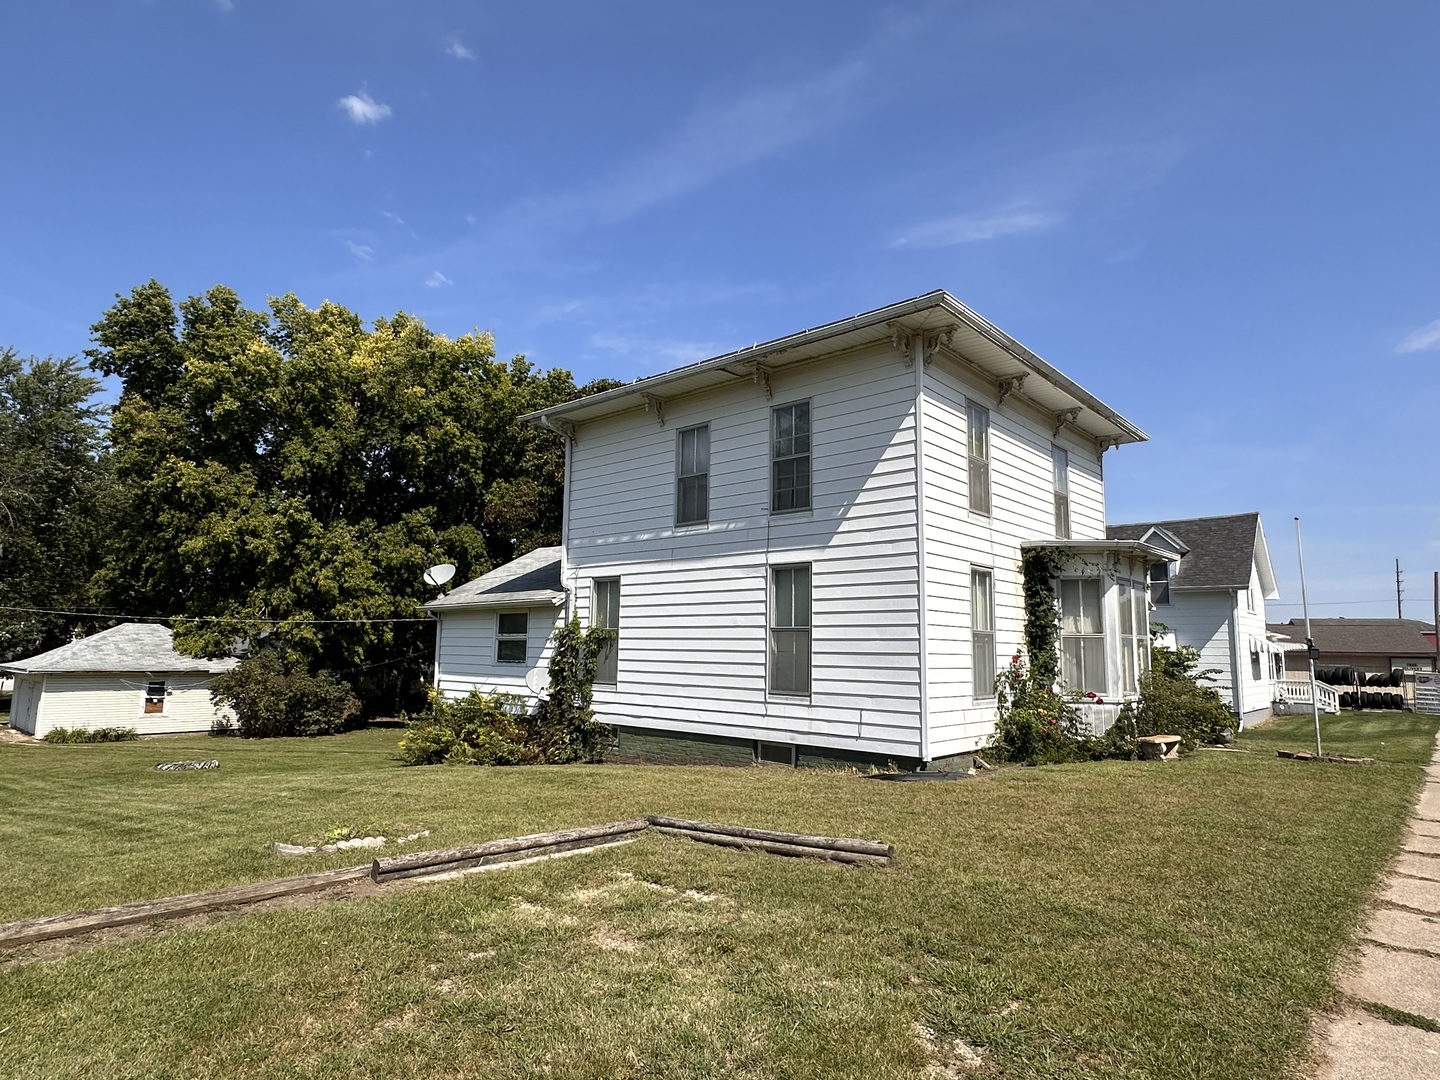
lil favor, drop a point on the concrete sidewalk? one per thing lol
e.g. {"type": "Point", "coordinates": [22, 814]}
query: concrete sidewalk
{"type": "Point", "coordinates": [1399, 965]}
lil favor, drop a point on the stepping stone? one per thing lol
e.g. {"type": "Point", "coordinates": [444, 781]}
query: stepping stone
{"type": "Point", "coordinates": [1418, 841]}
{"type": "Point", "coordinates": [1429, 802]}
{"type": "Point", "coordinates": [1358, 1046]}
{"type": "Point", "coordinates": [1421, 866]}
{"type": "Point", "coordinates": [1405, 930]}
{"type": "Point", "coordinates": [1402, 980]}
{"type": "Point", "coordinates": [1413, 893]}
{"type": "Point", "coordinates": [1425, 828]}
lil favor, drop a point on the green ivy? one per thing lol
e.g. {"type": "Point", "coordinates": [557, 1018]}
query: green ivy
{"type": "Point", "coordinates": [1040, 568]}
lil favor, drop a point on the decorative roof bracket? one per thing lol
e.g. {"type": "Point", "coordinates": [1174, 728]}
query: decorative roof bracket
{"type": "Point", "coordinates": [1010, 386]}
{"type": "Point", "coordinates": [904, 341]}
{"type": "Point", "coordinates": [1106, 442]}
{"type": "Point", "coordinates": [930, 344]}
{"type": "Point", "coordinates": [1067, 416]}
{"type": "Point", "coordinates": [656, 405]}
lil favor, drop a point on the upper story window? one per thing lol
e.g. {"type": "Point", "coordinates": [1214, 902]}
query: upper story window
{"type": "Point", "coordinates": [790, 457]}
{"type": "Point", "coordinates": [977, 422]}
{"type": "Point", "coordinates": [692, 476]}
{"type": "Point", "coordinates": [605, 614]}
{"type": "Point", "coordinates": [1082, 635]}
{"type": "Point", "coordinates": [982, 633]}
{"type": "Point", "coordinates": [1160, 582]}
{"type": "Point", "coordinates": [511, 631]}
{"type": "Point", "coordinates": [1060, 462]}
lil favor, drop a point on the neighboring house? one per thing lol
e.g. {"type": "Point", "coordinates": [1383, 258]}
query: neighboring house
{"type": "Point", "coordinates": [1210, 592]}
{"type": "Point", "coordinates": [493, 633]}
{"type": "Point", "coordinates": [1373, 645]}
{"type": "Point", "coordinates": [129, 676]}
{"type": "Point", "coordinates": [810, 549]}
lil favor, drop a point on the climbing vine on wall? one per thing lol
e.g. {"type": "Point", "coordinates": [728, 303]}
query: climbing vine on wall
{"type": "Point", "coordinates": [1040, 568]}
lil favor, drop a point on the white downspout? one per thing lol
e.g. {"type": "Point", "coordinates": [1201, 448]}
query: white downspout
{"type": "Point", "coordinates": [918, 354]}
{"type": "Point", "coordinates": [1237, 691]}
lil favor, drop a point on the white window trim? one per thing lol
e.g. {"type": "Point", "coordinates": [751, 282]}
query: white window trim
{"type": "Point", "coordinates": [770, 628]}
{"type": "Point", "coordinates": [594, 596]}
{"type": "Point", "coordinates": [975, 693]}
{"type": "Point", "coordinates": [682, 476]}
{"type": "Point", "coordinates": [987, 459]}
{"type": "Point", "coordinates": [809, 455]}
{"type": "Point", "coordinates": [1102, 691]}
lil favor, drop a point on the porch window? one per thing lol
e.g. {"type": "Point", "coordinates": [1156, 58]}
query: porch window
{"type": "Point", "coordinates": [1060, 461]}
{"type": "Point", "coordinates": [790, 457]}
{"type": "Point", "coordinates": [1082, 635]}
{"type": "Point", "coordinates": [977, 423]}
{"type": "Point", "coordinates": [605, 614]}
{"type": "Point", "coordinates": [154, 697]}
{"type": "Point", "coordinates": [1134, 634]}
{"type": "Point", "coordinates": [982, 633]}
{"type": "Point", "coordinates": [510, 638]}
{"type": "Point", "coordinates": [692, 476]}
{"type": "Point", "coordinates": [1160, 583]}
{"type": "Point", "coordinates": [790, 630]}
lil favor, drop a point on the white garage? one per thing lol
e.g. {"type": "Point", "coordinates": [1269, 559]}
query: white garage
{"type": "Point", "coordinates": [129, 676]}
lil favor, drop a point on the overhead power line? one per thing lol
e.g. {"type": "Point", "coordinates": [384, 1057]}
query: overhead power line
{"type": "Point", "coordinates": [204, 618]}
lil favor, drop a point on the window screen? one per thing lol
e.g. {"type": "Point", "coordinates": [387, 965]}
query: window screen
{"type": "Point", "coordinates": [1082, 635]}
{"type": "Point", "coordinates": [982, 632]}
{"type": "Point", "coordinates": [790, 630]}
{"type": "Point", "coordinates": [606, 615]}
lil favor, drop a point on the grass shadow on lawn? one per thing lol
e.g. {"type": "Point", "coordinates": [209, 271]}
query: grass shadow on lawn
{"type": "Point", "coordinates": [1117, 919]}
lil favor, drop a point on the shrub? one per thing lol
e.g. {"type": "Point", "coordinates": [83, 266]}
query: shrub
{"type": "Point", "coordinates": [90, 735]}
{"type": "Point", "coordinates": [1173, 701]}
{"type": "Point", "coordinates": [270, 702]}
{"type": "Point", "coordinates": [494, 729]}
{"type": "Point", "coordinates": [1033, 724]}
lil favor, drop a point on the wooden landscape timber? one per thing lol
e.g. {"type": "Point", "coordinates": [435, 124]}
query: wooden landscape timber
{"type": "Point", "coordinates": [834, 848]}
{"type": "Point", "coordinates": [421, 864]}
{"type": "Point", "coordinates": [170, 907]}
{"type": "Point", "coordinates": [512, 849]}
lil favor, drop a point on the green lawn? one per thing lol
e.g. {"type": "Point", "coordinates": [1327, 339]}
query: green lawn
{"type": "Point", "coordinates": [1115, 920]}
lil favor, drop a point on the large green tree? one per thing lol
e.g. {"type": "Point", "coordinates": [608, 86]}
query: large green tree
{"type": "Point", "coordinates": [56, 496]}
{"type": "Point", "coordinates": [292, 465]}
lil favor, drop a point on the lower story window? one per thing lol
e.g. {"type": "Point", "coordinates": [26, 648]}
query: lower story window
{"type": "Point", "coordinates": [982, 633]}
{"type": "Point", "coordinates": [790, 630]}
{"type": "Point", "coordinates": [605, 615]}
{"type": "Point", "coordinates": [1082, 636]}
{"type": "Point", "coordinates": [511, 631]}
{"type": "Point", "coordinates": [155, 697]}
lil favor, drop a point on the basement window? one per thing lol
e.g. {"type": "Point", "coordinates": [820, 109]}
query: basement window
{"type": "Point", "coordinates": [154, 697]}
{"type": "Point", "coordinates": [769, 753]}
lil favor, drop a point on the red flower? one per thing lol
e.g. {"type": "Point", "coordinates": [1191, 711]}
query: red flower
{"type": "Point", "coordinates": [1090, 693]}
{"type": "Point", "coordinates": [1099, 701]}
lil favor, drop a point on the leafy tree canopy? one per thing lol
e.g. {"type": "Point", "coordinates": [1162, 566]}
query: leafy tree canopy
{"type": "Point", "coordinates": [56, 493]}
{"type": "Point", "coordinates": [293, 464]}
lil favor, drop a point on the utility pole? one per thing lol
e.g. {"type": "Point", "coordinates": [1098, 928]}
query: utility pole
{"type": "Point", "coordinates": [1309, 642]}
{"type": "Point", "coordinates": [1437, 620]}
{"type": "Point", "coordinates": [1399, 610]}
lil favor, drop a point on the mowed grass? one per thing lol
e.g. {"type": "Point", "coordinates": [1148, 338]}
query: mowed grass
{"type": "Point", "coordinates": [1110, 920]}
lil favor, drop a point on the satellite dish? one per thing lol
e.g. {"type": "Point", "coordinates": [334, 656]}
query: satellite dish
{"type": "Point", "coordinates": [439, 575]}
{"type": "Point", "coordinates": [538, 681]}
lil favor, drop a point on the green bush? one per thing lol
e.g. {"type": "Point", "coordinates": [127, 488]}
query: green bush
{"type": "Point", "coordinates": [478, 729]}
{"type": "Point", "coordinates": [90, 735]}
{"type": "Point", "coordinates": [1173, 701]}
{"type": "Point", "coordinates": [270, 702]}
{"type": "Point", "coordinates": [1033, 724]}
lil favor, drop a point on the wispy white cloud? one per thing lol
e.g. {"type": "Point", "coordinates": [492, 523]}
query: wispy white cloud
{"type": "Point", "coordinates": [1422, 340]}
{"type": "Point", "coordinates": [361, 108]}
{"type": "Point", "coordinates": [458, 49]}
{"type": "Point", "coordinates": [437, 280]}
{"type": "Point", "coordinates": [396, 218]}
{"type": "Point", "coordinates": [225, 5]}
{"type": "Point", "coordinates": [362, 252]}
{"type": "Point", "coordinates": [673, 351]}
{"type": "Point", "coordinates": [973, 228]}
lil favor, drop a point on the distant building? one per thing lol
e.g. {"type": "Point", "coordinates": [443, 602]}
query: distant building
{"type": "Point", "coordinates": [129, 676]}
{"type": "Point", "coordinates": [1211, 595]}
{"type": "Point", "coordinates": [1373, 645]}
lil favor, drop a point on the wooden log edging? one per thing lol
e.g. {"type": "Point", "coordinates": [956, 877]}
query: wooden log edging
{"type": "Point", "coordinates": [511, 849]}
{"type": "Point", "coordinates": [846, 849]}
{"type": "Point", "coordinates": [57, 926]}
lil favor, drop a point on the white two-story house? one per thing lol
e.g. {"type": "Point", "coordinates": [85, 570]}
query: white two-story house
{"type": "Point", "coordinates": [810, 549]}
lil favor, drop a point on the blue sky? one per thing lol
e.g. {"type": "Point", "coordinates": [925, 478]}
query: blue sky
{"type": "Point", "coordinates": [1221, 217]}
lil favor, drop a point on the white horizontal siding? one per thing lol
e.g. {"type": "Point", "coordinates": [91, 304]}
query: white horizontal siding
{"type": "Point", "coordinates": [1201, 620]}
{"type": "Point", "coordinates": [466, 648]}
{"type": "Point", "coordinates": [693, 641]}
{"type": "Point", "coordinates": [118, 700]}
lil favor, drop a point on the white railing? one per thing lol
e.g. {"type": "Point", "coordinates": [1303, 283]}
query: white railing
{"type": "Point", "coordinates": [1296, 689]}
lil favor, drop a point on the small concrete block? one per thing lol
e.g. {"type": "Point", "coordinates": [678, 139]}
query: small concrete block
{"type": "Point", "coordinates": [1402, 980]}
{"type": "Point", "coordinates": [1429, 802]}
{"type": "Point", "coordinates": [1358, 1046]}
{"type": "Point", "coordinates": [1418, 841]}
{"type": "Point", "coordinates": [1413, 893]}
{"type": "Point", "coordinates": [1404, 930]}
{"type": "Point", "coordinates": [1425, 828]}
{"type": "Point", "coordinates": [1421, 866]}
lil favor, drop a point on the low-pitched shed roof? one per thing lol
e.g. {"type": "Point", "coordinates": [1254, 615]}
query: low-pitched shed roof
{"type": "Point", "coordinates": [1221, 549]}
{"type": "Point", "coordinates": [1383, 637]}
{"type": "Point", "coordinates": [531, 580]}
{"type": "Point", "coordinates": [141, 647]}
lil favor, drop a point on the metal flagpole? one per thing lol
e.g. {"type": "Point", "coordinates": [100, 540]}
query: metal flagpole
{"type": "Point", "coordinates": [1309, 641]}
